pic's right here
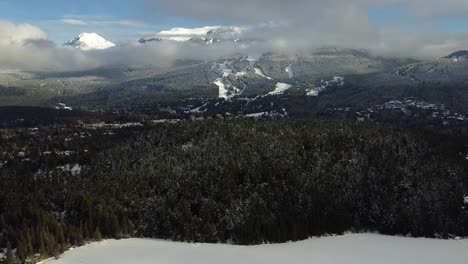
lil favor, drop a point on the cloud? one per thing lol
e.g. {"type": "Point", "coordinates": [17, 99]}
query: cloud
{"type": "Point", "coordinates": [73, 22]}
{"type": "Point", "coordinates": [241, 11]}
{"type": "Point", "coordinates": [278, 25]}
{"type": "Point", "coordinates": [26, 47]}
{"type": "Point", "coordinates": [16, 34]}
{"type": "Point", "coordinates": [435, 8]}
{"type": "Point", "coordinates": [251, 11]}
{"type": "Point", "coordinates": [101, 23]}
{"type": "Point", "coordinates": [310, 23]}
{"type": "Point", "coordinates": [99, 20]}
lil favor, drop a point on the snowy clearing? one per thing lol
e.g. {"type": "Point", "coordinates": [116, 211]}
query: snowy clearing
{"type": "Point", "coordinates": [336, 81]}
{"type": "Point", "coordinates": [256, 115]}
{"type": "Point", "coordinates": [347, 249]}
{"type": "Point", "coordinates": [280, 88]}
{"type": "Point", "coordinates": [259, 72]}
{"type": "Point", "coordinates": [290, 71]}
{"type": "Point", "coordinates": [223, 93]}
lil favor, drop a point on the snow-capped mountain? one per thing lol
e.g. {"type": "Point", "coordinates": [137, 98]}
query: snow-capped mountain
{"type": "Point", "coordinates": [459, 55]}
{"type": "Point", "coordinates": [220, 34]}
{"type": "Point", "coordinates": [90, 41]}
{"type": "Point", "coordinates": [178, 34]}
{"type": "Point", "coordinates": [204, 35]}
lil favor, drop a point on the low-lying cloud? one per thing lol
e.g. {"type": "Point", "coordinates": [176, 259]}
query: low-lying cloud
{"type": "Point", "coordinates": [339, 22]}
{"type": "Point", "coordinates": [284, 26]}
{"type": "Point", "coordinates": [26, 47]}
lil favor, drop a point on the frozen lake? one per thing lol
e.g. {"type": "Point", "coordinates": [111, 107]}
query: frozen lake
{"type": "Point", "coordinates": [349, 249]}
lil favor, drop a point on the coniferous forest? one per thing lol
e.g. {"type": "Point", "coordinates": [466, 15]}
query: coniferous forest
{"type": "Point", "coordinates": [237, 181]}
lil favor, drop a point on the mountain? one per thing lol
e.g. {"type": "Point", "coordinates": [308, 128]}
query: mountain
{"type": "Point", "coordinates": [310, 73]}
{"type": "Point", "coordinates": [449, 70]}
{"type": "Point", "coordinates": [178, 34]}
{"type": "Point", "coordinates": [90, 41]}
{"type": "Point", "coordinates": [205, 35]}
{"type": "Point", "coordinates": [220, 34]}
{"type": "Point", "coordinates": [458, 55]}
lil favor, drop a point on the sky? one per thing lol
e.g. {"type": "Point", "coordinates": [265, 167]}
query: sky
{"type": "Point", "coordinates": [31, 32]}
{"type": "Point", "coordinates": [121, 20]}
{"type": "Point", "coordinates": [115, 19]}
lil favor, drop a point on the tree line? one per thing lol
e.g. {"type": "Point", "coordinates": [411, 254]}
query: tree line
{"type": "Point", "coordinates": [244, 182]}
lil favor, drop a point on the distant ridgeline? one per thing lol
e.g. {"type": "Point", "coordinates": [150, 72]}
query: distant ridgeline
{"type": "Point", "coordinates": [240, 181]}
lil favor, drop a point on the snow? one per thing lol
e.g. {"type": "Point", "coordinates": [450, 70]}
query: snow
{"type": "Point", "coordinates": [256, 115]}
{"type": "Point", "coordinates": [259, 72]}
{"type": "Point", "coordinates": [62, 106]}
{"type": "Point", "coordinates": [280, 88]}
{"type": "Point", "coordinates": [252, 59]}
{"type": "Point", "coordinates": [198, 109]}
{"type": "Point", "coordinates": [313, 92]}
{"type": "Point", "coordinates": [336, 81]}
{"type": "Point", "coordinates": [347, 249]}
{"type": "Point", "coordinates": [226, 90]}
{"type": "Point", "coordinates": [223, 92]}
{"type": "Point", "coordinates": [90, 41]}
{"type": "Point", "coordinates": [290, 71]}
{"type": "Point", "coordinates": [224, 67]}
{"type": "Point", "coordinates": [74, 169]}
{"type": "Point", "coordinates": [182, 34]}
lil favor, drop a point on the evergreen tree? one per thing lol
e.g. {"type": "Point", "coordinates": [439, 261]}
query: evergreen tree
{"type": "Point", "coordinates": [9, 258]}
{"type": "Point", "coordinates": [97, 235]}
{"type": "Point", "coordinates": [21, 251]}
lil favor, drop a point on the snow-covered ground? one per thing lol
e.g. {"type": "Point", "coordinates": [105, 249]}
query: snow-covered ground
{"type": "Point", "coordinates": [225, 89]}
{"type": "Point", "coordinates": [290, 71]}
{"type": "Point", "coordinates": [347, 249]}
{"type": "Point", "coordinates": [280, 88]}
{"type": "Point", "coordinates": [336, 81]}
{"type": "Point", "coordinates": [259, 72]}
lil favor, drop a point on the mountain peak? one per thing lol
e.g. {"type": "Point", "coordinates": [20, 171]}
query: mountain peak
{"type": "Point", "coordinates": [225, 33]}
{"type": "Point", "coordinates": [179, 34]}
{"type": "Point", "coordinates": [461, 54]}
{"type": "Point", "coordinates": [90, 41]}
{"type": "Point", "coordinates": [204, 35]}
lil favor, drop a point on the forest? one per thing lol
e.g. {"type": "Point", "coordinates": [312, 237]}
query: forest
{"type": "Point", "coordinates": [234, 181]}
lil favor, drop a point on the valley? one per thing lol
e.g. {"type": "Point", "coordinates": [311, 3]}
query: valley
{"type": "Point", "coordinates": [252, 143]}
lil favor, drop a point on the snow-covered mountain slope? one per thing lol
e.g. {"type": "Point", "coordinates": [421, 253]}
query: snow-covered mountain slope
{"type": "Point", "coordinates": [347, 249]}
{"type": "Point", "coordinates": [280, 88]}
{"type": "Point", "coordinates": [204, 35]}
{"type": "Point", "coordinates": [458, 55]}
{"type": "Point", "coordinates": [220, 34]}
{"type": "Point", "coordinates": [179, 34]}
{"type": "Point", "coordinates": [248, 75]}
{"type": "Point", "coordinates": [337, 81]}
{"type": "Point", "coordinates": [305, 72]}
{"type": "Point", "coordinates": [90, 41]}
{"type": "Point", "coordinates": [448, 71]}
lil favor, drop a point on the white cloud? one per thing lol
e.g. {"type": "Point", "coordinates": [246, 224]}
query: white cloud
{"type": "Point", "coordinates": [17, 34]}
{"type": "Point", "coordinates": [74, 22]}
{"type": "Point", "coordinates": [309, 23]}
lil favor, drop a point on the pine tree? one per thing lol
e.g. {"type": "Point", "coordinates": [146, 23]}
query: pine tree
{"type": "Point", "coordinates": [125, 230]}
{"type": "Point", "coordinates": [9, 259]}
{"type": "Point", "coordinates": [97, 235]}
{"type": "Point", "coordinates": [21, 251]}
